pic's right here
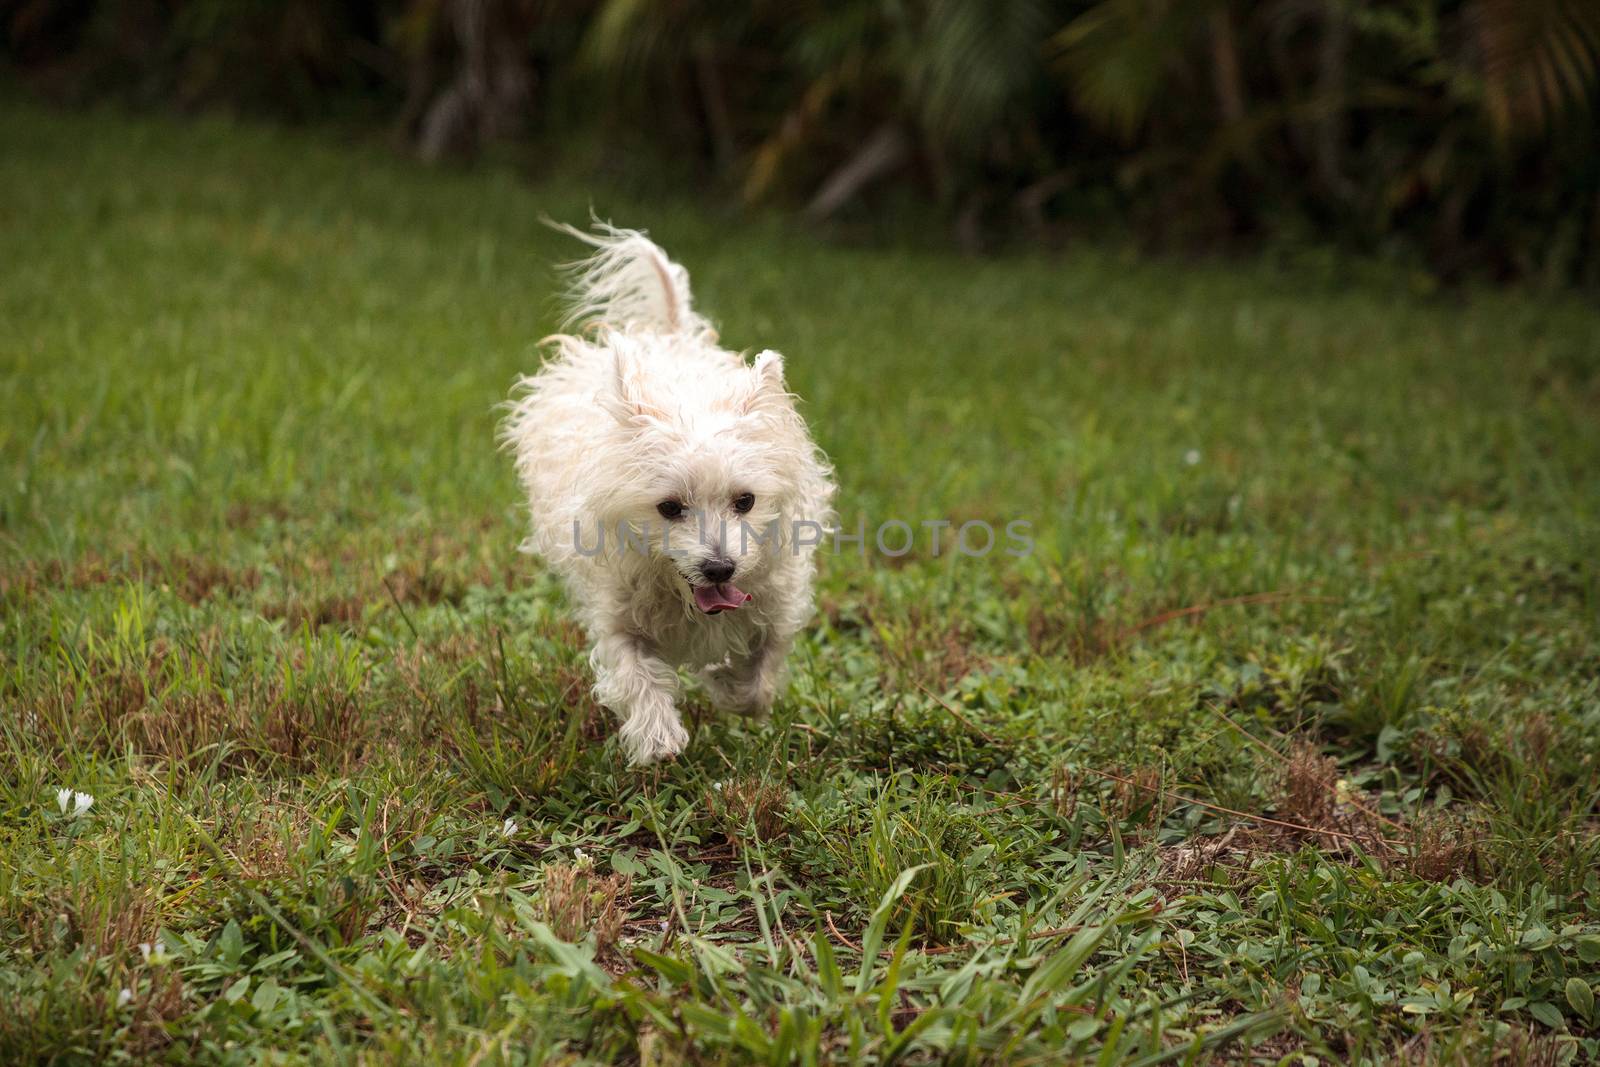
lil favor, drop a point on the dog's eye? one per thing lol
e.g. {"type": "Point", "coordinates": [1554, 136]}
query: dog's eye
{"type": "Point", "coordinates": [744, 502]}
{"type": "Point", "coordinates": [670, 509]}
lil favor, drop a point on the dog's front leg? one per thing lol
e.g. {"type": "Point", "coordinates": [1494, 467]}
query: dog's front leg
{"type": "Point", "coordinates": [639, 686]}
{"type": "Point", "coordinates": [747, 685]}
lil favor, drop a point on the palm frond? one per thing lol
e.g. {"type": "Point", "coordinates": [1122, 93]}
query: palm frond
{"type": "Point", "coordinates": [973, 58]}
{"type": "Point", "coordinates": [1118, 55]}
{"type": "Point", "coordinates": [1541, 60]}
{"type": "Point", "coordinates": [625, 33]}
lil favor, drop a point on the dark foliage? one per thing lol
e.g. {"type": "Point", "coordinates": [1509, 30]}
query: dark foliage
{"type": "Point", "coordinates": [1457, 132]}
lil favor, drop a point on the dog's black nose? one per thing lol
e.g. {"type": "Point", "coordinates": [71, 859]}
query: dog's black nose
{"type": "Point", "coordinates": [717, 570]}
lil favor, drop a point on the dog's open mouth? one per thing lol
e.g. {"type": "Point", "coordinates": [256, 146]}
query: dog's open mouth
{"type": "Point", "coordinates": [724, 596]}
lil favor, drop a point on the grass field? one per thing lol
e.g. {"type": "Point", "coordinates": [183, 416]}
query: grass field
{"type": "Point", "coordinates": [1283, 746]}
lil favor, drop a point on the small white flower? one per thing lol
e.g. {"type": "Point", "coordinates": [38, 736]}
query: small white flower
{"type": "Point", "coordinates": [153, 955]}
{"type": "Point", "coordinates": [579, 854]}
{"type": "Point", "coordinates": [508, 828]}
{"type": "Point", "coordinates": [1191, 458]}
{"type": "Point", "coordinates": [73, 805]}
{"type": "Point", "coordinates": [717, 786]}
{"type": "Point", "coordinates": [124, 997]}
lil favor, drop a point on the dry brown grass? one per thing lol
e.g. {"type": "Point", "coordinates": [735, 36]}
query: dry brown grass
{"type": "Point", "coordinates": [248, 513]}
{"type": "Point", "coordinates": [1139, 800]}
{"type": "Point", "coordinates": [1524, 1048]}
{"type": "Point", "coordinates": [196, 578]}
{"type": "Point", "coordinates": [19, 582]}
{"type": "Point", "coordinates": [748, 805]}
{"type": "Point", "coordinates": [1197, 857]}
{"type": "Point", "coordinates": [1064, 786]}
{"type": "Point", "coordinates": [1308, 787]}
{"type": "Point", "coordinates": [1076, 638]}
{"type": "Point", "coordinates": [100, 920]}
{"type": "Point", "coordinates": [265, 841]}
{"type": "Point", "coordinates": [317, 610]}
{"type": "Point", "coordinates": [165, 708]}
{"type": "Point", "coordinates": [1134, 799]}
{"type": "Point", "coordinates": [193, 578]}
{"type": "Point", "coordinates": [159, 1003]}
{"type": "Point", "coordinates": [1518, 1048]}
{"type": "Point", "coordinates": [1443, 846]}
{"type": "Point", "coordinates": [577, 901]}
{"type": "Point", "coordinates": [1537, 737]}
{"type": "Point", "coordinates": [102, 926]}
{"type": "Point", "coordinates": [922, 647]}
{"type": "Point", "coordinates": [320, 726]}
{"type": "Point", "coordinates": [316, 590]}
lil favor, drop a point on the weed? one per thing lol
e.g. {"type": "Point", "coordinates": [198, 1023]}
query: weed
{"type": "Point", "coordinates": [578, 903]}
{"type": "Point", "coordinates": [749, 806]}
{"type": "Point", "coordinates": [1308, 789]}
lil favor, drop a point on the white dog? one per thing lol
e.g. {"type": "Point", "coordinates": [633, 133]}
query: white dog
{"type": "Point", "coordinates": [674, 487]}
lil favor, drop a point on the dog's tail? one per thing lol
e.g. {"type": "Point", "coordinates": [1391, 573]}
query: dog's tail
{"type": "Point", "coordinates": [628, 283]}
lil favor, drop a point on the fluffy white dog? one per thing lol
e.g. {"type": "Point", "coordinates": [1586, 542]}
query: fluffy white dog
{"type": "Point", "coordinates": [674, 487]}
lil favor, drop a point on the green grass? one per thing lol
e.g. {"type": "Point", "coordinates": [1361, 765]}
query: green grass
{"type": "Point", "coordinates": [1312, 548]}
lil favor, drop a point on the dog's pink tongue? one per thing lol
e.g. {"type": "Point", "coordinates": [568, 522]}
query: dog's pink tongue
{"type": "Point", "coordinates": [714, 598]}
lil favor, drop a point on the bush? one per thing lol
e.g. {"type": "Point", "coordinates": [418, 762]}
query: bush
{"type": "Point", "coordinates": [1458, 133]}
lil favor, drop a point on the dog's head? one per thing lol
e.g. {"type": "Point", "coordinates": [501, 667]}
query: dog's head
{"type": "Point", "coordinates": [710, 472]}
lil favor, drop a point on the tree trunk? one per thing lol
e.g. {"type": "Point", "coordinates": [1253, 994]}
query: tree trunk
{"type": "Point", "coordinates": [886, 149]}
{"type": "Point", "coordinates": [492, 87]}
{"type": "Point", "coordinates": [715, 105]}
{"type": "Point", "coordinates": [1225, 67]}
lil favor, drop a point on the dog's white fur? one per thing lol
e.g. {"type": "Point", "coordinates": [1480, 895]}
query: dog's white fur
{"type": "Point", "coordinates": [640, 407]}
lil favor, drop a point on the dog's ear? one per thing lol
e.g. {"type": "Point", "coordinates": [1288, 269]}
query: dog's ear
{"type": "Point", "coordinates": [624, 395]}
{"type": "Point", "coordinates": [767, 386]}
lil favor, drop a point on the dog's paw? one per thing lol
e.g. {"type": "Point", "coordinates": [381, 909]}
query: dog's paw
{"type": "Point", "coordinates": [649, 740]}
{"type": "Point", "coordinates": [735, 692]}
